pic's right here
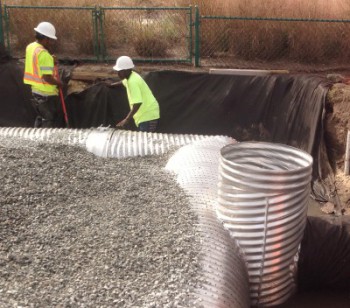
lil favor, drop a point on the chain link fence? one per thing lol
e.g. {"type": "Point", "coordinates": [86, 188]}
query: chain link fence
{"type": "Point", "coordinates": [104, 33]}
{"type": "Point", "coordinates": [181, 35]}
{"type": "Point", "coordinates": [75, 26]}
{"type": "Point", "coordinates": [147, 34]}
{"type": "Point", "coordinates": [1, 27]}
{"type": "Point", "coordinates": [273, 42]}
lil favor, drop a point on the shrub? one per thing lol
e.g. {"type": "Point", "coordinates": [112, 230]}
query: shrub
{"type": "Point", "coordinates": [150, 37]}
{"type": "Point", "coordinates": [215, 38]}
{"type": "Point", "coordinates": [254, 40]}
{"type": "Point", "coordinates": [147, 44]}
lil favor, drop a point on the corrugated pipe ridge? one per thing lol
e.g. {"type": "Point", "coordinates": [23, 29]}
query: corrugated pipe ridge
{"type": "Point", "coordinates": [124, 143]}
{"type": "Point", "coordinates": [104, 141]}
{"type": "Point", "coordinates": [48, 135]}
{"type": "Point", "coordinates": [225, 280]}
{"type": "Point", "coordinates": [263, 194]}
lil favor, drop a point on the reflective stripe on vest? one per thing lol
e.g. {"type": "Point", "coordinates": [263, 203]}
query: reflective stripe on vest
{"type": "Point", "coordinates": [34, 77]}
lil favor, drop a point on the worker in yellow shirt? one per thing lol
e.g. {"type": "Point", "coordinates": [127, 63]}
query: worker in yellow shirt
{"type": "Point", "coordinates": [41, 75]}
{"type": "Point", "coordinates": [144, 108]}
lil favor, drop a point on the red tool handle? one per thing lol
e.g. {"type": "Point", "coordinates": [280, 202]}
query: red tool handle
{"type": "Point", "coordinates": [62, 99]}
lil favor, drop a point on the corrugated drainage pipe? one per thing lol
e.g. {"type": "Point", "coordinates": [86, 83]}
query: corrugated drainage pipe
{"type": "Point", "coordinates": [106, 142]}
{"type": "Point", "coordinates": [65, 136]}
{"type": "Point", "coordinates": [124, 143]}
{"type": "Point", "coordinates": [222, 266]}
{"type": "Point", "coordinates": [263, 194]}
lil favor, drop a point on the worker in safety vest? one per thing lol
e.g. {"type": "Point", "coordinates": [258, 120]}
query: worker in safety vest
{"type": "Point", "coordinates": [41, 75]}
{"type": "Point", "coordinates": [144, 107]}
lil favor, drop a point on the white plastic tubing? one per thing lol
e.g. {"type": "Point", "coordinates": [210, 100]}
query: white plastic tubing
{"type": "Point", "coordinates": [263, 198]}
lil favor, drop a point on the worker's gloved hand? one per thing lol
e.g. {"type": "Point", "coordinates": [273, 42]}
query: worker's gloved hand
{"type": "Point", "coordinates": [122, 123]}
{"type": "Point", "coordinates": [113, 84]}
{"type": "Point", "coordinates": [55, 60]}
{"type": "Point", "coordinates": [60, 84]}
{"type": "Point", "coordinates": [108, 83]}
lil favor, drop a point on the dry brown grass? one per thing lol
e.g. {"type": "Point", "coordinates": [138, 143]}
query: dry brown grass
{"type": "Point", "coordinates": [92, 3]}
{"type": "Point", "coordinates": [339, 9]}
{"type": "Point", "coordinates": [265, 40]}
{"type": "Point", "coordinates": [148, 45]}
{"type": "Point", "coordinates": [306, 42]}
{"type": "Point", "coordinates": [271, 8]}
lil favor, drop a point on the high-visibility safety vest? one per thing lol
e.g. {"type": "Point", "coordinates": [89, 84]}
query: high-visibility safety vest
{"type": "Point", "coordinates": [39, 62]}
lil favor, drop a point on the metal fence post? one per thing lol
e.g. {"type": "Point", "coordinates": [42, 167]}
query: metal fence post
{"type": "Point", "coordinates": [95, 29]}
{"type": "Point", "coordinates": [197, 37]}
{"type": "Point", "coordinates": [190, 39]}
{"type": "Point", "coordinates": [101, 34]}
{"type": "Point", "coordinates": [6, 30]}
{"type": "Point", "coordinates": [1, 26]}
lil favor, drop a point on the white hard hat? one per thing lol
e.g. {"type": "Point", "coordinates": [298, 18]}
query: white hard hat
{"type": "Point", "coordinates": [47, 29]}
{"type": "Point", "coordinates": [123, 63]}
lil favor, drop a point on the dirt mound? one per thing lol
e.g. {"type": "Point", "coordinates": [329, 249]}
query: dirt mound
{"type": "Point", "coordinates": [337, 125]}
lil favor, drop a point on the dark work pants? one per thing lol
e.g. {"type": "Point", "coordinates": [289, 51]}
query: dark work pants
{"type": "Point", "coordinates": [48, 110]}
{"type": "Point", "coordinates": [149, 126]}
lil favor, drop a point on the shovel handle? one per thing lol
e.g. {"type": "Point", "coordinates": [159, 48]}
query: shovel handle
{"type": "Point", "coordinates": [62, 99]}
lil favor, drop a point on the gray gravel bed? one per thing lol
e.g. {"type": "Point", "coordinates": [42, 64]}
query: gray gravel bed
{"type": "Point", "coordinates": [81, 231]}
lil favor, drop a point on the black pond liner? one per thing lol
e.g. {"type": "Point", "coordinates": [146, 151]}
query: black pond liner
{"type": "Point", "coordinates": [324, 264]}
{"type": "Point", "coordinates": [325, 255]}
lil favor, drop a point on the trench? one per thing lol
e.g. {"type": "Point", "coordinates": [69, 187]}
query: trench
{"type": "Point", "coordinates": [282, 109]}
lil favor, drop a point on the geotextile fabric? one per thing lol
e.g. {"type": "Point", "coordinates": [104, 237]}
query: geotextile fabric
{"type": "Point", "coordinates": [96, 106]}
{"type": "Point", "coordinates": [16, 109]}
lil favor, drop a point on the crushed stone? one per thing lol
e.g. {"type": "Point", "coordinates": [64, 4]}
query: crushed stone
{"type": "Point", "coordinates": [77, 230]}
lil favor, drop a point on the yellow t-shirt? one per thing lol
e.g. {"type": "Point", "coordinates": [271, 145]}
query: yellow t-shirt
{"type": "Point", "coordinates": [139, 92]}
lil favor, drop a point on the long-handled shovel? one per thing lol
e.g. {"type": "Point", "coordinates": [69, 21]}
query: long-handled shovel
{"type": "Point", "coordinates": [64, 108]}
{"type": "Point", "coordinates": [62, 100]}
